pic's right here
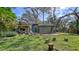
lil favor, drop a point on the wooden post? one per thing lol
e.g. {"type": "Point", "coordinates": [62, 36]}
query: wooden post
{"type": "Point", "coordinates": [50, 46]}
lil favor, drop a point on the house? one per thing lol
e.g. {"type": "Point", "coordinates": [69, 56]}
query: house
{"type": "Point", "coordinates": [26, 28]}
{"type": "Point", "coordinates": [45, 28]}
{"type": "Point", "coordinates": [23, 28]}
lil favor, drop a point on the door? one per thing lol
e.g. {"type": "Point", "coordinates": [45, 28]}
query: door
{"type": "Point", "coordinates": [35, 28]}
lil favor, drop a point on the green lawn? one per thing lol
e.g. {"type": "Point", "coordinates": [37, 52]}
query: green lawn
{"type": "Point", "coordinates": [37, 42]}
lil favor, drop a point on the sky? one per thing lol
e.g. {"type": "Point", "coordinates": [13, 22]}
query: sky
{"type": "Point", "coordinates": [19, 11]}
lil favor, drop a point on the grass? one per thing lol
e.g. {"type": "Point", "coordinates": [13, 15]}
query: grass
{"type": "Point", "coordinates": [37, 42]}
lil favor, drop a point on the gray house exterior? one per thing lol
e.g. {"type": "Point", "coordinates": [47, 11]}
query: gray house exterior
{"type": "Point", "coordinates": [45, 28]}
{"type": "Point", "coordinates": [25, 28]}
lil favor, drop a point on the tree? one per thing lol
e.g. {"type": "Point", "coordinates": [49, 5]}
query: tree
{"type": "Point", "coordinates": [75, 12]}
{"type": "Point", "coordinates": [44, 10]}
{"type": "Point", "coordinates": [72, 27]}
{"type": "Point", "coordinates": [31, 13]}
{"type": "Point", "coordinates": [61, 22]}
{"type": "Point", "coordinates": [77, 20]}
{"type": "Point", "coordinates": [37, 11]}
{"type": "Point", "coordinates": [7, 19]}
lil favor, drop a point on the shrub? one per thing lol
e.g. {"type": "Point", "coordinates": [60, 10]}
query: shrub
{"type": "Point", "coordinates": [65, 39]}
{"type": "Point", "coordinates": [54, 39]}
{"type": "Point", "coordinates": [8, 34]}
{"type": "Point", "coordinates": [47, 41]}
{"type": "Point", "coordinates": [0, 34]}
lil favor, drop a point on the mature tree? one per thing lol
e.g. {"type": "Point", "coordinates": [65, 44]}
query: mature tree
{"type": "Point", "coordinates": [7, 19]}
{"type": "Point", "coordinates": [31, 14]}
{"type": "Point", "coordinates": [72, 27]}
{"type": "Point", "coordinates": [43, 11]}
{"type": "Point", "coordinates": [75, 13]}
{"type": "Point", "coordinates": [61, 22]}
{"type": "Point", "coordinates": [52, 17]}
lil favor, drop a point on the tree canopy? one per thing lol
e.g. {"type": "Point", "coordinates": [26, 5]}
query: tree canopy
{"type": "Point", "coordinates": [7, 19]}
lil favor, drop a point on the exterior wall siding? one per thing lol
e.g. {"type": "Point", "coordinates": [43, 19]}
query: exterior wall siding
{"type": "Point", "coordinates": [45, 29]}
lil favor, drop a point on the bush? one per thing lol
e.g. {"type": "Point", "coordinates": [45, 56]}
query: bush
{"type": "Point", "coordinates": [0, 34]}
{"type": "Point", "coordinates": [65, 39]}
{"type": "Point", "coordinates": [47, 41]}
{"type": "Point", "coordinates": [8, 34]}
{"type": "Point", "coordinates": [54, 39]}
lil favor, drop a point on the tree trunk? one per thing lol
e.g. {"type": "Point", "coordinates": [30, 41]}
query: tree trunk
{"type": "Point", "coordinates": [77, 24]}
{"type": "Point", "coordinates": [43, 17]}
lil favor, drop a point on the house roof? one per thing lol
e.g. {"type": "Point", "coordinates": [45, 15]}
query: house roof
{"type": "Point", "coordinates": [22, 23]}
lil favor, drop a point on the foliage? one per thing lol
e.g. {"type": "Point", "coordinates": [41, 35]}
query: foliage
{"type": "Point", "coordinates": [32, 14]}
{"type": "Point", "coordinates": [8, 34]}
{"type": "Point", "coordinates": [44, 10]}
{"type": "Point", "coordinates": [54, 39]}
{"type": "Point", "coordinates": [72, 27]}
{"type": "Point", "coordinates": [7, 19]}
